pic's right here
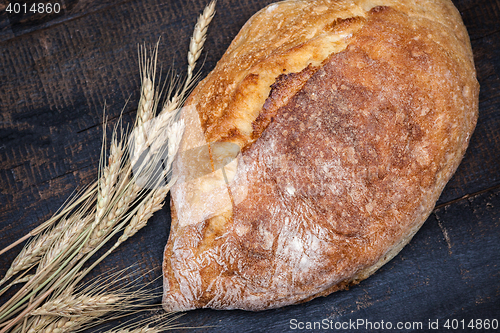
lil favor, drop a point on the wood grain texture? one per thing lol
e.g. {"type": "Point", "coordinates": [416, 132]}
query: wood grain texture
{"type": "Point", "coordinates": [57, 73]}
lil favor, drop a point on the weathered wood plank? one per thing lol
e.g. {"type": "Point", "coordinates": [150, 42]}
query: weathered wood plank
{"type": "Point", "coordinates": [27, 18]}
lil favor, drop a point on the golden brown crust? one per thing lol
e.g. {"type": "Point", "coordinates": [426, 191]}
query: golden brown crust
{"type": "Point", "coordinates": [343, 161]}
{"type": "Point", "coordinates": [285, 87]}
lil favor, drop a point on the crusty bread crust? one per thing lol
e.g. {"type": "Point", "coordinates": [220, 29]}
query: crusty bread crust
{"type": "Point", "coordinates": [351, 117]}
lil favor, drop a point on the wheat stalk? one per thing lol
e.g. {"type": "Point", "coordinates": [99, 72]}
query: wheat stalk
{"type": "Point", "coordinates": [155, 200]}
{"type": "Point", "coordinates": [30, 255]}
{"type": "Point", "coordinates": [195, 48]}
{"type": "Point", "coordinates": [36, 250]}
{"type": "Point", "coordinates": [147, 102]}
{"type": "Point", "coordinates": [143, 116]}
{"type": "Point", "coordinates": [73, 202]}
{"type": "Point", "coordinates": [105, 295]}
{"type": "Point", "coordinates": [108, 179]}
{"type": "Point", "coordinates": [147, 70]}
{"type": "Point", "coordinates": [62, 251]}
{"type": "Point", "coordinates": [39, 323]}
{"type": "Point", "coordinates": [70, 229]}
{"type": "Point", "coordinates": [73, 305]}
{"type": "Point", "coordinates": [52, 324]}
{"type": "Point", "coordinates": [62, 325]}
{"type": "Point", "coordinates": [198, 39]}
{"type": "Point", "coordinates": [144, 213]}
{"type": "Point", "coordinates": [145, 110]}
{"type": "Point", "coordinates": [95, 300]}
{"type": "Point", "coordinates": [67, 238]}
{"type": "Point", "coordinates": [109, 212]}
{"type": "Point", "coordinates": [117, 211]}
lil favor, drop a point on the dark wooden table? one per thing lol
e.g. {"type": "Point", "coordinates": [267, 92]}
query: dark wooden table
{"type": "Point", "coordinates": [58, 71]}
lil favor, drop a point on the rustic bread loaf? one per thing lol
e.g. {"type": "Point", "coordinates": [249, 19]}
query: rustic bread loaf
{"type": "Point", "coordinates": [346, 119]}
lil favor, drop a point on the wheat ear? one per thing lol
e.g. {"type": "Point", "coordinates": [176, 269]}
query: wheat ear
{"type": "Point", "coordinates": [71, 228]}
{"type": "Point", "coordinates": [198, 39]}
{"type": "Point", "coordinates": [35, 251]}
{"type": "Point", "coordinates": [145, 110]}
{"type": "Point", "coordinates": [116, 212]}
{"type": "Point", "coordinates": [39, 323]}
{"type": "Point", "coordinates": [84, 308]}
{"type": "Point", "coordinates": [155, 200]}
{"type": "Point", "coordinates": [30, 255]}
{"type": "Point", "coordinates": [42, 285]}
{"type": "Point", "coordinates": [62, 325]}
{"type": "Point", "coordinates": [76, 305]}
{"type": "Point", "coordinates": [147, 71]}
{"type": "Point", "coordinates": [148, 100]}
{"type": "Point", "coordinates": [69, 205]}
{"type": "Point", "coordinates": [106, 211]}
{"type": "Point", "coordinates": [144, 213]}
{"type": "Point", "coordinates": [94, 300]}
{"type": "Point", "coordinates": [195, 48]}
{"type": "Point", "coordinates": [109, 176]}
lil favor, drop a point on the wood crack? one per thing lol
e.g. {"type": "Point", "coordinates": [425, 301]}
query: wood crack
{"type": "Point", "coordinates": [465, 197]}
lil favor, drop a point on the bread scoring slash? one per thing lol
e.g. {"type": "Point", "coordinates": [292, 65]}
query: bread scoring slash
{"type": "Point", "coordinates": [348, 118]}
